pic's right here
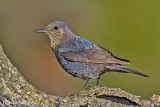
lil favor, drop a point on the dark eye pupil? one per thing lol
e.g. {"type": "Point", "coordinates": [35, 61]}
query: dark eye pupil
{"type": "Point", "coordinates": [56, 27]}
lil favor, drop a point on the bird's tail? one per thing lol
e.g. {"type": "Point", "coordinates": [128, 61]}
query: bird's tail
{"type": "Point", "coordinates": [134, 72]}
{"type": "Point", "coordinates": [123, 69]}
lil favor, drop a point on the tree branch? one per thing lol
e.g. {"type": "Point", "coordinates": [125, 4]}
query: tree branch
{"type": "Point", "coordinates": [16, 91]}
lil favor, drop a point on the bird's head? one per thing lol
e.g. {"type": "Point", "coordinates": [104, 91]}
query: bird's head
{"type": "Point", "coordinates": [57, 31]}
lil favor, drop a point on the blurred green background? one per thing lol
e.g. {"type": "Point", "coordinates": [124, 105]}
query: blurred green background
{"type": "Point", "coordinates": [128, 28]}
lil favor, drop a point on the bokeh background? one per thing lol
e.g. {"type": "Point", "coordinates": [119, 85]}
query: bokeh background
{"type": "Point", "coordinates": [128, 28]}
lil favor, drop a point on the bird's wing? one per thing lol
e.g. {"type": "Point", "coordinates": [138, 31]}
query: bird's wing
{"type": "Point", "coordinates": [94, 54]}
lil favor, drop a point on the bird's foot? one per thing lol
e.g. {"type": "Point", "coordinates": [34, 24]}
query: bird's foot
{"type": "Point", "coordinates": [86, 87]}
{"type": "Point", "coordinates": [97, 84]}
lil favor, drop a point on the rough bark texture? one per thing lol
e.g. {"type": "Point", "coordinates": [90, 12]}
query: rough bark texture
{"type": "Point", "coordinates": [16, 91]}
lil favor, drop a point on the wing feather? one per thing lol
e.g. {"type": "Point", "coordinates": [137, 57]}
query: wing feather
{"type": "Point", "coordinates": [94, 54]}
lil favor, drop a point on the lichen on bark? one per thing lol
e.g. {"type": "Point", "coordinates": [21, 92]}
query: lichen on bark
{"type": "Point", "coordinates": [16, 91]}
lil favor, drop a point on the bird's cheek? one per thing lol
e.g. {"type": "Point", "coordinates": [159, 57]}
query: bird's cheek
{"type": "Point", "coordinates": [56, 34]}
{"type": "Point", "coordinates": [61, 32]}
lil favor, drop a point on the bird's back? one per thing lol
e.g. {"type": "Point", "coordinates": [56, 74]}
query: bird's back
{"type": "Point", "coordinates": [75, 44]}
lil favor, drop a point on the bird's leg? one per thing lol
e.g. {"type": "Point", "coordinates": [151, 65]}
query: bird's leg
{"type": "Point", "coordinates": [85, 85]}
{"type": "Point", "coordinates": [97, 84]}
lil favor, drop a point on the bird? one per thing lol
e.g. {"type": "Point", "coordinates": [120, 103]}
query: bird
{"type": "Point", "coordinates": [80, 57]}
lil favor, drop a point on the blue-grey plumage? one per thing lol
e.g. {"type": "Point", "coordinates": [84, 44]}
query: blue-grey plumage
{"type": "Point", "coordinates": [80, 57]}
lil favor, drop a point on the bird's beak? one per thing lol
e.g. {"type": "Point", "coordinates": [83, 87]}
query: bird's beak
{"type": "Point", "coordinates": [41, 31]}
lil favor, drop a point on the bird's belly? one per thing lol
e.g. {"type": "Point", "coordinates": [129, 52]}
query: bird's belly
{"type": "Point", "coordinates": [82, 70]}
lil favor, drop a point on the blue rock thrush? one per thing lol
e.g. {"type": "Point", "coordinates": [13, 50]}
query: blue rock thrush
{"type": "Point", "coordinates": [81, 58]}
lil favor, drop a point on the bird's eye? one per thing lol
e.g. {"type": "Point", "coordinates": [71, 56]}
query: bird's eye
{"type": "Point", "coordinates": [56, 27]}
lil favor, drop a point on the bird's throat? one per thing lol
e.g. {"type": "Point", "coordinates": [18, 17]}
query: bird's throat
{"type": "Point", "coordinates": [53, 41]}
{"type": "Point", "coordinates": [56, 40]}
